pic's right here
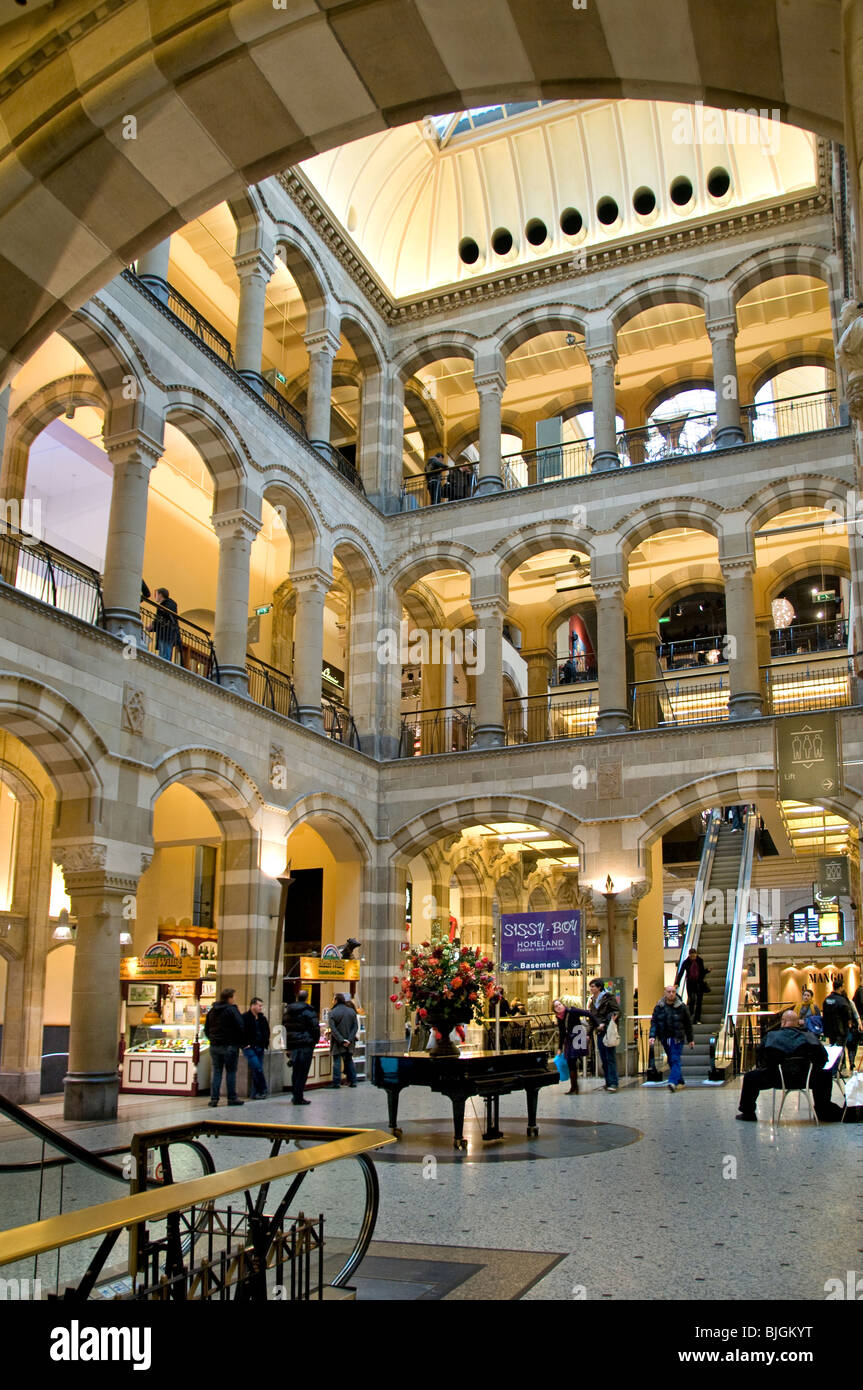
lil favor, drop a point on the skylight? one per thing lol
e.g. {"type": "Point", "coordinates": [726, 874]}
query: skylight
{"type": "Point", "coordinates": [463, 122]}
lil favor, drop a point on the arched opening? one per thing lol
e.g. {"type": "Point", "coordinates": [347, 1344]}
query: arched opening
{"type": "Point", "coordinates": [545, 372]}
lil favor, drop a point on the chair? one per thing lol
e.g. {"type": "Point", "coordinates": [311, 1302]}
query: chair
{"type": "Point", "coordinates": [792, 1077]}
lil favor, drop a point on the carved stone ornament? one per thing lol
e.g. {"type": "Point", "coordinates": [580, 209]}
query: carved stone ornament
{"type": "Point", "coordinates": [81, 859]}
{"type": "Point", "coordinates": [850, 352]}
{"type": "Point", "coordinates": [609, 781]}
{"type": "Point", "coordinates": [134, 709]}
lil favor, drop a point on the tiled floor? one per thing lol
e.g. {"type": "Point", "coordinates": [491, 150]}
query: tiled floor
{"type": "Point", "coordinates": [685, 1203]}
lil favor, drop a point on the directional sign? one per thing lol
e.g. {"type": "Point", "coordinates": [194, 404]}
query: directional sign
{"type": "Point", "coordinates": [807, 757]}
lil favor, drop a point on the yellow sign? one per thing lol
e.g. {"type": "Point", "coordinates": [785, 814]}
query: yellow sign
{"type": "Point", "coordinates": [328, 968]}
{"type": "Point", "coordinates": [160, 968]}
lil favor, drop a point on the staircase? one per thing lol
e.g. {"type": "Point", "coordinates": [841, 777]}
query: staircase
{"type": "Point", "coordinates": [714, 942]}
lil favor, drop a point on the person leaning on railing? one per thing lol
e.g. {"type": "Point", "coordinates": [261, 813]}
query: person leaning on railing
{"type": "Point", "coordinates": [435, 473]}
{"type": "Point", "coordinates": [165, 625]}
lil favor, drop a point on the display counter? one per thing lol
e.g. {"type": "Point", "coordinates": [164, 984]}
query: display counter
{"type": "Point", "coordinates": [166, 1059]}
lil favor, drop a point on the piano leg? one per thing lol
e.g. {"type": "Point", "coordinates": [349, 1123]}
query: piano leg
{"type": "Point", "coordinates": [459, 1141]}
{"type": "Point", "coordinates": [492, 1118]}
{"type": "Point", "coordinates": [393, 1110]}
{"type": "Point", "coordinates": [532, 1093]}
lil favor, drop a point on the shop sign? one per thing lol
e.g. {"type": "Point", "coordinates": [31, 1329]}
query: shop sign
{"type": "Point", "coordinates": [317, 969]}
{"type": "Point", "coordinates": [807, 757]}
{"type": "Point", "coordinates": [540, 940]}
{"type": "Point", "coordinates": [160, 968]}
{"type": "Point", "coordinates": [833, 877]}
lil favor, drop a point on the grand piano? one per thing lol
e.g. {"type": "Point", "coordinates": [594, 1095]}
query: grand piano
{"type": "Point", "coordinates": [488, 1075]}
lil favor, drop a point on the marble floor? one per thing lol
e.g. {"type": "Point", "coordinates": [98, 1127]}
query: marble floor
{"type": "Point", "coordinates": [650, 1195]}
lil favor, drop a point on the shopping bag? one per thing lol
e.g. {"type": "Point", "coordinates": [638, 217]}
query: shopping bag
{"type": "Point", "coordinates": [854, 1089]}
{"type": "Point", "coordinates": [562, 1066]}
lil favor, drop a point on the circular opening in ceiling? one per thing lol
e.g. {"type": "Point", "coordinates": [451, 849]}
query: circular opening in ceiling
{"type": "Point", "coordinates": [644, 201]}
{"type": "Point", "coordinates": [718, 182]}
{"type": "Point", "coordinates": [501, 242]}
{"type": "Point", "coordinates": [571, 222]}
{"type": "Point", "coordinates": [607, 211]}
{"type": "Point", "coordinates": [536, 231]}
{"type": "Point", "coordinates": [468, 250]}
{"type": "Point", "coordinates": [681, 192]}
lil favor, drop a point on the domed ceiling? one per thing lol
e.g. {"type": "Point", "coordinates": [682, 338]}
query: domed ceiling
{"type": "Point", "coordinates": [458, 197]}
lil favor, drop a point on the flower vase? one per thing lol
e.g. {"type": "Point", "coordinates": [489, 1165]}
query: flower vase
{"type": "Point", "coordinates": [440, 1043]}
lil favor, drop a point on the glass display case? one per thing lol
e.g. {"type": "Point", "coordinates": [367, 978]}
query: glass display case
{"type": "Point", "coordinates": [166, 1059]}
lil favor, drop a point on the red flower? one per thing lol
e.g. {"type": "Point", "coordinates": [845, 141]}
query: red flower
{"type": "Point", "coordinates": [423, 1013]}
{"type": "Point", "coordinates": [457, 982]}
{"type": "Point", "coordinates": [393, 998]}
{"type": "Point", "coordinates": [471, 997]}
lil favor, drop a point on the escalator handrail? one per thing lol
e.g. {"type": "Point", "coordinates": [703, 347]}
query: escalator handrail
{"type": "Point", "coordinates": [737, 944]}
{"type": "Point", "coordinates": [705, 868]}
{"type": "Point", "coordinates": [57, 1140]}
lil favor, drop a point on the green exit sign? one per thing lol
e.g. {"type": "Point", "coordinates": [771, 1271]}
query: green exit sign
{"type": "Point", "coordinates": [263, 610]}
{"type": "Point", "coordinates": [826, 597]}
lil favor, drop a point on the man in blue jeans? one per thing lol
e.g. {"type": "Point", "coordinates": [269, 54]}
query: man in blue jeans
{"type": "Point", "coordinates": [224, 1028]}
{"type": "Point", "coordinates": [672, 1025]}
{"type": "Point", "coordinates": [256, 1040]}
{"type": "Point", "coordinates": [603, 1007]}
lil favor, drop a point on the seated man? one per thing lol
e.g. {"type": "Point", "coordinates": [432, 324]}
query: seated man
{"type": "Point", "coordinates": [793, 1047]}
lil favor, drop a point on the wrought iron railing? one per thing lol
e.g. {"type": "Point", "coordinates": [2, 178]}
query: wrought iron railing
{"type": "Point", "coordinates": [678, 700]}
{"type": "Point", "coordinates": [446, 730]}
{"type": "Point", "coordinates": [337, 460]}
{"type": "Point", "coordinates": [828, 634]}
{"type": "Point", "coordinates": [692, 651]}
{"type": "Point", "coordinates": [811, 682]}
{"type": "Point", "coordinates": [190, 316]}
{"type": "Point", "coordinates": [576, 670]}
{"type": "Point", "coordinates": [551, 464]}
{"type": "Point", "coordinates": [546, 718]}
{"type": "Point", "coordinates": [179, 641]}
{"type": "Point", "coordinates": [429, 489]}
{"type": "Point", "coordinates": [46, 574]}
{"type": "Point", "coordinates": [271, 688]}
{"type": "Point", "coordinates": [339, 724]}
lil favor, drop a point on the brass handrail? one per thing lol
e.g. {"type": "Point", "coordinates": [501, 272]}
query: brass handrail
{"type": "Point", "coordinates": [38, 1237]}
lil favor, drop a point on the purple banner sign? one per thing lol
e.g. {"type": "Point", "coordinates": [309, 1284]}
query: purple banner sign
{"type": "Point", "coordinates": [540, 940]}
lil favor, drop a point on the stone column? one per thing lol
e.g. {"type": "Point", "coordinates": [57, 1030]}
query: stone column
{"type": "Point", "coordinates": [763, 629]}
{"type": "Point", "coordinates": [489, 614]}
{"type": "Point", "coordinates": [311, 587]}
{"type": "Point", "coordinates": [235, 532]}
{"type": "Point", "coordinates": [322, 347]}
{"type": "Point", "coordinates": [603, 361]}
{"type": "Point", "coordinates": [382, 930]}
{"type": "Point", "coordinates": [722, 334]}
{"type": "Point", "coordinates": [133, 457]}
{"type": "Point", "coordinates": [611, 656]}
{"type": "Point", "coordinates": [99, 901]}
{"type": "Point", "coordinates": [27, 944]}
{"type": "Point", "coordinates": [490, 388]}
{"type": "Point", "coordinates": [650, 941]}
{"type": "Point", "coordinates": [743, 676]}
{"type": "Point", "coordinates": [153, 269]}
{"type": "Point", "coordinates": [540, 663]}
{"type": "Point", "coordinates": [254, 271]}
{"type": "Point", "coordinates": [645, 674]}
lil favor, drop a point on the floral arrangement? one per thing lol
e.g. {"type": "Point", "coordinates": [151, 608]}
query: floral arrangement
{"type": "Point", "coordinates": [446, 983]}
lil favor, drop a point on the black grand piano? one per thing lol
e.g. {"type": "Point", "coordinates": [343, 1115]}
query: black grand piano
{"type": "Point", "coordinates": [488, 1075]}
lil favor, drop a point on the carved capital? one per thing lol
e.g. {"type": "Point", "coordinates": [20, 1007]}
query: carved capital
{"type": "Point", "coordinates": [722, 330]}
{"type": "Point", "coordinates": [254, 262]}
{"type": "Point", "coordinates": [237, 525]}
{"type": "Point", "coordinates": [311, 581]}
{"type": "Point", "coordinates": [134, 709]}
{"type": "Point", "coordinates": [323, 341]}
{"type": "Point", "coordinates": [490, 384]}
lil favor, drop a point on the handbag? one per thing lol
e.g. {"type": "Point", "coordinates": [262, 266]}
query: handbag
{"type": "Point", "coordinates": [562, 1066]}
{"type": "Point", "coordinates": [854, 1089]}
{"type": "Point", "coordinates": [612, 1034]}
{"type": "Point", "coordinates": [814, 1024]}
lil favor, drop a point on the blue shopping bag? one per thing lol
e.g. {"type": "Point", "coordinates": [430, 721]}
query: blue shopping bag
{"type": "Point", "coordinates": [562, 1066]}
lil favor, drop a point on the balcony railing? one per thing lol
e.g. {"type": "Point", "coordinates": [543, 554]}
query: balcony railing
{"type": "Point", "coordinates": [812, 682]}
{"type": "Point", "coordinates": [700, 698]}
{"type": "Point", "coordinates": [576, 670]}
{"type": "Point", "coordinates": [642, 446]}
{"type": "Point", "coordinates": [826, 635]}
{"type": "Point", "coordinates": [271, 688]}
{"type": "Point", "coordinates": [46, 574]}
{"type": "Point", "coordinates": [190, 316]}
{"type": "Point", "coordinates": [545, 718]}
{"type": "Point", "coordinates": [336, 459]}
{"type": "Point", "coordinates": [446, 730]}
{"type": "Point", "coordinates": [339, 724]}
{"type": "Point", "coordinates": [177, 640]}
{"type": "Point", "coordinates": [692, 651]}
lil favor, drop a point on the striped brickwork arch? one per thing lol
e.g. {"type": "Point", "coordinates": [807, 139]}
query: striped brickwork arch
{"type": "Point", "coordinates": [222, 450]}
{"type": "Point", "coordinates": [665, 385]}
{"type": "Point", "coordinates": [532, 540]}
{"type": "Point", "coordinates": [794, 353]}
{"type": "Point", "coordinates": [303, 262]}
{"type": "Point", "coordinates": [425, 559]}
{"type": "Point", "coordinates": [824, 557]}
{"type": "Point", "coordinates": [59, 737]}
{"type": "Point", "coordinates": [425, 415]}
{"type": "Point", "coordinates": [691, 579]}
{"type": "Point", "coordinates": [814, 261]}
{"type": "Point", "coordinates": [544, 318]}
{"type": "Point", "coordinates": [337, 822]}
{"type": "Point", "coordinates": [452, 816]}
{"type": "Point", "coordinates": [650, 294]}
{"type": "Point", "coordinates": [34, 415]}
{"type": "Point", "coordinates": [111, 357]}
{"type": "Point", "coordinates": [436, 347]}
{"type": "Point", "coordinates": [666, 515]}
{"type": "Point", "coordinates": [808, 490]}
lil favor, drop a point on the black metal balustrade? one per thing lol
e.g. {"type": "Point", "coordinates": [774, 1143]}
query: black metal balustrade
{"type": "Point", "coordinates": [692, 651]}
{"type": "Point", "coordinates": [657, 442]}
{"type": "Point", "coordinates": [337, 460]}
{"type": "Point", "coordinates": [445, 730]}
{"type": "Point", "coordinates": [339, 724]}
{"type": "Point", "coordinates": [179, 641]}
{"type": "Point", "coordinates": [546, 718]}
{"type": "Point", "coordinates": [813, 682]}
{"type": "Point", "coordinates": [678, 700]}
{"type": "Point", "coordinates": [190, 316]}
{"type": "Point", "coordinates": [828, 634]}
{"type": "Point", "coordinates": [271, 688]}
{"type": "Point", "coordinates": [576, 669]}
{"type": "Point", "coordinates": [46, 574]}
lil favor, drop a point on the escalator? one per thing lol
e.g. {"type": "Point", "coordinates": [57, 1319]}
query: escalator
{"type": "Point", "coordinates": [718, 931]}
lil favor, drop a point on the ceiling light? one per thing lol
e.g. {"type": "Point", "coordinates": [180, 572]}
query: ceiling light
{"type": "Point", "coordinates": [63, 930]}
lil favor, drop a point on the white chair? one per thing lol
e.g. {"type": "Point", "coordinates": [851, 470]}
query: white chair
{"type": "Point", "coordinates": [792, 1079]}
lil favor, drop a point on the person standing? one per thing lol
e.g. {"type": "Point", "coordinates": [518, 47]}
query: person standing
{"type": "Point", "coordinates": [344, 1027]}
{"type": "Point", "coordinates": [165, 626]}
{"type": "Point", "coordinates": [603, 1010]}
{"type": "Point", "coordinates": [302, 1034]}
{"type": "Point", "coordinates": [809, 1012]}
{"type": "Point", "coordinates": [838, 1016]}
{"type": "Point", "coordinates": [572, 1039]}
{"type": "Point", "coordinates": [223, 1026]}
{"type": "Point", "coordinates": [694, 969]}
{"type": "Point", "coordinates": [435, 470]}
{"type": "Point", "coordinates": [256, 1040]}
{"type": "Point", "coordinates": [671, 1024]}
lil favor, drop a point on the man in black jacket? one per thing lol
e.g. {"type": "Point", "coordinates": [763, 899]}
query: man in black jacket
{"type": "Point", "coordinates": [344, 1027]}
{"type": "Point", "coordinates": [671, 1024]}
{"type": "Point", "coordinates": [256, 1040]}
{"type": "Point", "coordinates": [838, 1015]}
{"type": "Point", "coordinates": [792, 1044]}
{"type": "Point", "coordinates": [302, 1034]}
{"type": "Point", "coordinates": [224, 1028]}
{"type": "Point", "coordinates": [695, 970]}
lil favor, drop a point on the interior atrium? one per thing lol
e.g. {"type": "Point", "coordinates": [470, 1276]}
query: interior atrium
{"type": "Point", "coordinates": [431, 491]}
